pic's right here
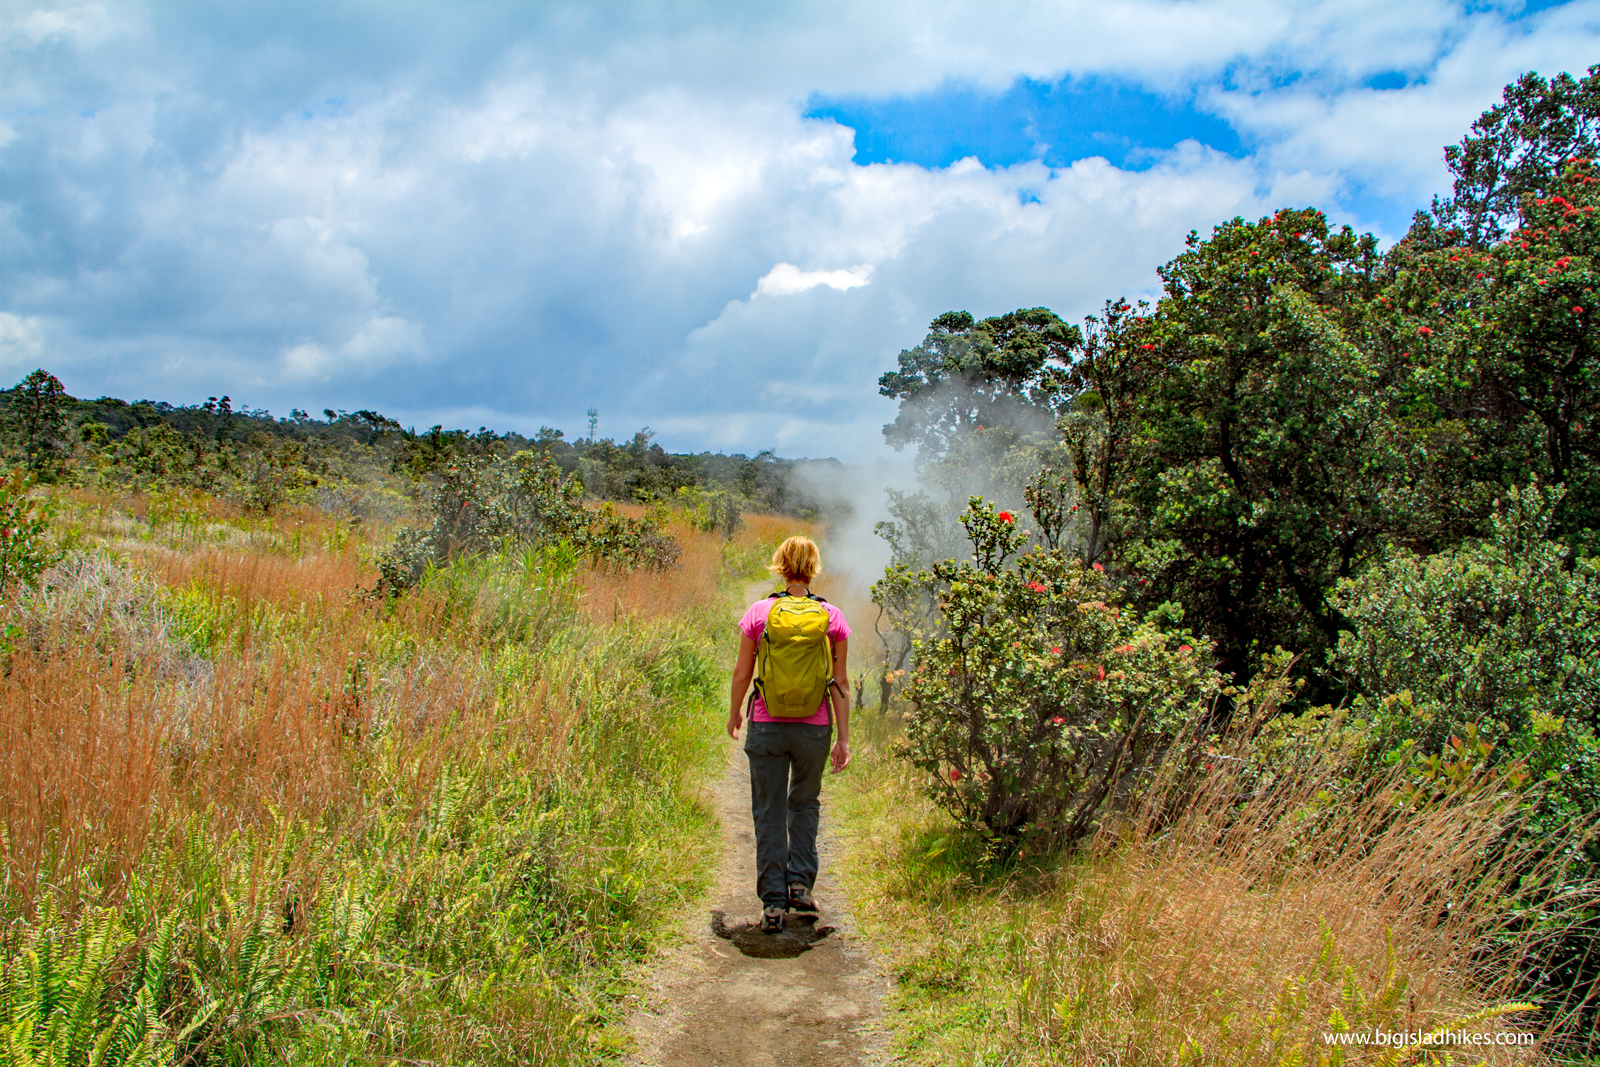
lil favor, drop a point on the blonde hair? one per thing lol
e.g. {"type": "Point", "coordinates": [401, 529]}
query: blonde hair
{"type": "Point", "coordinates": [797, 560]}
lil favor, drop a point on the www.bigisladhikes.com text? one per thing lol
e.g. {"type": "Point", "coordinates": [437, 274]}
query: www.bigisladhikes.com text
{"type": "Point", "coordinates": [1428, 1038]}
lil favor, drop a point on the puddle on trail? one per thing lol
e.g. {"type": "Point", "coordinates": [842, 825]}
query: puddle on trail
{"type": "Point", "coordinates": [800, 932]}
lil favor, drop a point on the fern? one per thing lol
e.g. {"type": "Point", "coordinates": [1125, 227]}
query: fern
{"type": "Point", "coordinates": [58, 1005]}
{"type": "Point", "coordinates": [1356, 1011]}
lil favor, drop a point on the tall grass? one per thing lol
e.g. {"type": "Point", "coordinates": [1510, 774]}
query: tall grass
{"type": "Point", "coordinates": [252, 815]}
{"type": "Point", "coordinates": [709, 561]}
{"type": "Point", "coordinates": [1226, 919]}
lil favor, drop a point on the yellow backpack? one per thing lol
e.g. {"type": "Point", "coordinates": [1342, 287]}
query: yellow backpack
{"type": "Point", "coordinates": [794, 661]}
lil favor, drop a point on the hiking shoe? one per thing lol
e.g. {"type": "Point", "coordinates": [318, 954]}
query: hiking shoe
{"type": "Point", "coordinates": [772, 920]}
{"type": "Point", "coordinates": [800, 898]}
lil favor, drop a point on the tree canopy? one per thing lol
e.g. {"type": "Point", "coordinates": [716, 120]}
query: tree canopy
{"type": "Point", "coordinates": [1519, 148]}
{"type": "Point", "coordinates": [1298, 399]}
{"type": "Point", "coordinates": [1005, 371]}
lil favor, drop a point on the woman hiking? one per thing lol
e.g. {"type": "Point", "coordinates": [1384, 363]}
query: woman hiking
{"type": "Point", "coordinates": [798, 641]}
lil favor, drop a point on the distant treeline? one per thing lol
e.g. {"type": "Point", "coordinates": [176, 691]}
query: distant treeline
{"type": "Point", "coordinates": [264, 459]}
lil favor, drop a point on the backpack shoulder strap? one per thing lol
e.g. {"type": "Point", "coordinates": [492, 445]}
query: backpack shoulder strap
{"type": "Point", "coordinates": [809, 596]}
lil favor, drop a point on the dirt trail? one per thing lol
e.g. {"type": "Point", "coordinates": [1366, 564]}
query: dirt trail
{"type": "Point", "coordinates": [811, 995]}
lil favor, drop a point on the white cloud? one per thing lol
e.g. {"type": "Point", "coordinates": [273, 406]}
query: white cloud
{"type": "Point", "coordinates": [958, 238]}
{"type": "Point", "coordinates": [518, 212]}
{"type": "Point", "coordinates": [81, 24]}
{"type": "Point", "coordinates": [1391, 141]}
{"type": "Point", "coordinates": [379, 344]}
{"type": "Point", "coordinates": [21, 343]}
{"type": "Point", "coordinates": [786, 279]}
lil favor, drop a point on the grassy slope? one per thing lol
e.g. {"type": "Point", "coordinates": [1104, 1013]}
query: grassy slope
{"type": "Point", "coordinates": [250, 817]}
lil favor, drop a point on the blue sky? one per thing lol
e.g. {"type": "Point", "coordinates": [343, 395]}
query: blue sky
{"type": "Point", "coordinates": [722, 220]}
{"type": "Point", "coordinates": [1058, 123]}
{"type": "Point", "coordinates": [1055, 122]}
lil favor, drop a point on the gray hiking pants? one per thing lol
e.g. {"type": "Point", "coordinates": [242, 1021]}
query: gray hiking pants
{"type": "Point", "coordinates": [786, 760]}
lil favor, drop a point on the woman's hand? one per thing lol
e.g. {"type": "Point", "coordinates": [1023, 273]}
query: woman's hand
{"type": "Point", "coordinates": [841, 755]}
{"type": "Point", "coordinates": [735, 720]}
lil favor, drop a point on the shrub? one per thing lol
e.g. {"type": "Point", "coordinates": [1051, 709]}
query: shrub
{"type": "Point", "coordinates": [482, 506]}
{"type": "Point", "coordinates": [25, 547]}
{"type": "Point", "coordinates": [709, 510]}
{"type": "Point", "coordinates": [271, 472]}
{"type": "Point", "coordinates": [1500, 639]}
{"type": "Point", "coordinates": [1231, 919]}
{"type": "Point", "coordinates": [1486, 658]}
{"type": "Point", "coordinates": [157, 457]}
{"type": "Point", "coordinates": [1039, 700]}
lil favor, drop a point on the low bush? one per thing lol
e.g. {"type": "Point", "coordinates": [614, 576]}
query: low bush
{"type": "Point", "coordinates": [1228, 918]}
{"type": "Point", "coordinates": [481, 506]}
{"type": "Point", "coordinates": [1500, 638]}
{"type": "Point", "coordinates": [26, 546]}
{"type": "Point", "coordinates": [1038, 701]}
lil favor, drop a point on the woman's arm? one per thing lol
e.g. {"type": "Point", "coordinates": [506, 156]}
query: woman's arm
{"type": "Point", "coordinates": [841, 704]}
{"type": "Point", "coordinates": [743, 671]}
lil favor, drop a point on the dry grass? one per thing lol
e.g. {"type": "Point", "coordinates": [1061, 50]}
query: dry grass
{"type": "Point", "coordinates": [1261, 915]}
{"type": "Point", "coordinates": [242, 681]}
{"type": "Point", "coordinates": [207, 728]}
{"type": "Point", "coordinates": [116, 732]}
{"type": "Point", "coordinates": [771, 530]}
{"type": "Point", "coordinates": [1234, 921]}
{"type": "Point", "coordinates": [709, 565]}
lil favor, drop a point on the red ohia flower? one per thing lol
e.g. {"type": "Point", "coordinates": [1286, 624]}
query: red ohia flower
{"type": "Point", "coordinates": [1423, 331]}
{"type": "Point", "coordinates": [1098, 567]}
{"type": "Point", "coordinates": [955, 775]}
{"type": "Point", "coordinates": [1577, 311]}
{"type": "Point", "coordinates": [1006, 517]}
{"type": "Point", "coordinates": [1185, 648]}
{"type": "Point", "coordinates": [1037, 587]}
{"type": "Point", "coordinates": [1058, 720]}
{"type": "Point", "coordinates": [1056, 649]}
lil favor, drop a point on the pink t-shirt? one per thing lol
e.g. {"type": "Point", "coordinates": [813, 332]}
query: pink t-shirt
{"type": "Point", "coordinates": [752, 625]}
